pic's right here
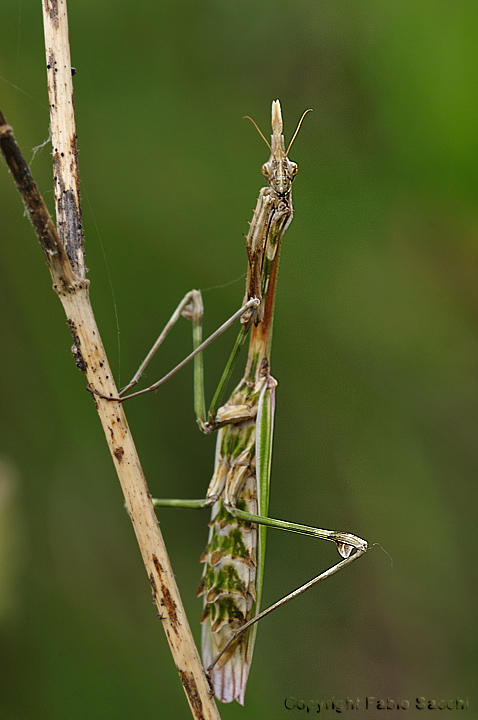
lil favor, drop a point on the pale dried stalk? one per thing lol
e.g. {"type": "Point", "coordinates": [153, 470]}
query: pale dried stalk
{"type": "Point", "coordinates": [63, 132]}
{"type": "Point", "coordinates": [65, 260]}
{"type": "Point", "coordinates": [91, 359]}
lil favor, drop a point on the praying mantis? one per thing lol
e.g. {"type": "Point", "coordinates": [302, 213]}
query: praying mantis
{"type": "Point", "coordinates": [238, 493]}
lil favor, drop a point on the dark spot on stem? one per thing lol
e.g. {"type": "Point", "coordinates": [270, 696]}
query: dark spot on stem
{"type": "Point", "coordinates": [158, 566]}
{"type": "Point", "coordinates": [51, 6]}
{"type": "Point", "coordinates": [79, 361]}
{"type": "Point", "coordinates": [153, 586]}
{"type": "Point", "coordinates": [190, 687]}
{"type": "Point", "coordinates": [167, 601]}
{"type": "Point", "coordinates": [118, 453]}
{"type": "Point", "coordinates": [52, 60]}
{"type": "Point", "coordinates": [76, 348]}
{"type": "Point", "coordinates": [72, 235]}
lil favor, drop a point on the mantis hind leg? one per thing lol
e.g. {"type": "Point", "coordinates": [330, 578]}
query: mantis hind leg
{"type": "Point", "coordinates": [354, 555]}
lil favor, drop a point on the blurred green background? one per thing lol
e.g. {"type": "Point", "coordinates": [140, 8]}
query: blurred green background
{"type": "Point", "coordinates": [375, 348]}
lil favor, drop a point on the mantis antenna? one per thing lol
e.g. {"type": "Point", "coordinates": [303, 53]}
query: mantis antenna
{"type": "Point", "coordinates": [246, 117]}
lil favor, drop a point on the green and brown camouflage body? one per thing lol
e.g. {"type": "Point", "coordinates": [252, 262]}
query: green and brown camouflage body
{"type": "Point", "coordinates": [234, 557]}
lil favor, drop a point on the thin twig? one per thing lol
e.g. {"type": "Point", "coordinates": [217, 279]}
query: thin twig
{"type": "Point", "coordinates": [65, 261]}
{"type": "Point", "coordinates": [63, 132]}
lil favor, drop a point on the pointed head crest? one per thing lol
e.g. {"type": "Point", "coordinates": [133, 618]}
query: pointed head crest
{"type": "Point", "coordinates": [277, 127]}
{"type": "Point", "coordinates": [277, 140]}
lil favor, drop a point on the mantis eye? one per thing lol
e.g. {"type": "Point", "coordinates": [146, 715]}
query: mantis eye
{"type": "Point", "coordinates": [266, 170]}
{"type": "Point", "coordinates": [293, 169]}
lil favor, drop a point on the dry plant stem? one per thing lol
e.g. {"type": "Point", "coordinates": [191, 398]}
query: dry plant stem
{"type": "Point", "coordinates": [90, 357]}
{"type": "Point", "coordinates": [65, 261]}
{"type": "Point", "coordinates": [56, 257]}
{"type": "Point", "coordinates": [63, 132]}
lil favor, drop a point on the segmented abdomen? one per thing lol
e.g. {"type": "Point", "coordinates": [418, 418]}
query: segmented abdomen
{"type": "Point", "coordinates": [230, 563]}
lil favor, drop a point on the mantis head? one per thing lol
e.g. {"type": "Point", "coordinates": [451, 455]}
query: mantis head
{"type": "Point", "coordinates": [279, 171]}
